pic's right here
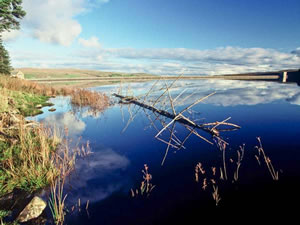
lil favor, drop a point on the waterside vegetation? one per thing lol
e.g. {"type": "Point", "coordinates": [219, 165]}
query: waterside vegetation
{"type": "Point", "coordinates": [33, 156]}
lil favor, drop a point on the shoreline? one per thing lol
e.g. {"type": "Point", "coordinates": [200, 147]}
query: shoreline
{"type": "Point", "coordinates": [222, 77]}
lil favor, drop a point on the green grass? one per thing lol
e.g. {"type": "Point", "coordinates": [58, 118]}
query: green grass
{"type": "Point", "coordinates": [34, 73]}
{"type": "Point", "coordinates": [30, 76]}
{"type": "Point", "coordinates": [25, 102]}
{"type": "Point", "coordinates": [3, 214]}
{"type": "Point", "coordinates": [121, 75]}
{"type": "Point", "coordinates": [27, 163]}
{"type": "Point", "coordinates": [67, 75]}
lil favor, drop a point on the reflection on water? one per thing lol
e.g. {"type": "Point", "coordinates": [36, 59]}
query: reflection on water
{"type": "Point", "coordinates": [66, 120]}
{"type": "Point", "coordinates": [295, 99]}
{"type": "Point", "coordinates": [265, 109]}
{"type": "Point", "coordinates": [229, 92]}
{"type": "Point", "coordinates": [90, 180]}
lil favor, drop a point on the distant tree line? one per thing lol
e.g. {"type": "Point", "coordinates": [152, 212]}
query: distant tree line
{"type": "Point", "coordinates": [11, 13]}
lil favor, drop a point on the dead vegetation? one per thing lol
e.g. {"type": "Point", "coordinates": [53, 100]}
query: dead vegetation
{"type": "Point", "coordinates": [212, 179]}
{"type": "Point", "coordinates": [160, 107]}
{"type": "Point", "coordinates": [146, 186]}
{"type": "Point", "coordinates": [79, 97]}
{"type": "Point", "coordinates": [266, 159]}
{"type": "Point", "coordinates": [33, 156]}
{"type": "Point", "coordinates": [86, 98]}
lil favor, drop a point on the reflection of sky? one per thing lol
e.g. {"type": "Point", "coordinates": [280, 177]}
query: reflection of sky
{"type": "Point", "coordinates": [61, 104]}
{"type": "Point", "coordinates": [228, 92]}
{"type": "Point", "coordinates": [98, 175]}
{"type": "Point", "coordinates": [106, 176]}
{"type": "Point", "coordinates": [66, 120]}
{"type": "Point", "coordinates": [295, 99]}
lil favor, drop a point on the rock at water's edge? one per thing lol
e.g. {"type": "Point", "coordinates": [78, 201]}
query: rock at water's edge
{"type": "Point", "coordinates": [33, 210]}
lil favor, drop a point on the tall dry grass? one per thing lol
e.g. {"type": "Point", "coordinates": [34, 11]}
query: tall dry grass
{"type": "Point", "coordinates": [26, 86]}
{"type": "Point", "coordinates": [27, 157]}
{"type": "Point", "coordinates": [95, 100]}
{"type": "Point", "coordinates": [79, 97]}
{"type": "Point", "coordinates": [32, 156]}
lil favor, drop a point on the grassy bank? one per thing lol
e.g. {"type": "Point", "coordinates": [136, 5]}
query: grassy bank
{"type": "Point", "coordinates": [25, 96]}
{"type": "Point", "coordinates": [28, 104]}
{"type": "Point", "coordinates": [26, 148]}
{"type": "Point", "coordinates": [29, 156]}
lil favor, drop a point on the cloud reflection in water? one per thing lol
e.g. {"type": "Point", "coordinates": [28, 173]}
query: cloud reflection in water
{"type": "Point", "coordinates": [98, 175]}
{"type": "Point", "coordinates": [228, 92]}
{"type": "Point", "coordinates": [66, 120]}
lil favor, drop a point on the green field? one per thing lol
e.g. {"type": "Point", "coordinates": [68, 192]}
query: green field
{"type": "Point", "coordinates": [32, 73]}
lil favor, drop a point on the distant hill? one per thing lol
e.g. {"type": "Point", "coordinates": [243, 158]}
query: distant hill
{"type": "Point", "coordinates": [34, 73]}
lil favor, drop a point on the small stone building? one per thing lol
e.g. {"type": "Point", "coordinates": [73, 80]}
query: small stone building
{"type": "Point", "coordinates": [17, 74]}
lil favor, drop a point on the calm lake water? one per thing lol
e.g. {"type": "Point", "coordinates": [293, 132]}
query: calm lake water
{"type": "Point", "coordinates": [105, 178]}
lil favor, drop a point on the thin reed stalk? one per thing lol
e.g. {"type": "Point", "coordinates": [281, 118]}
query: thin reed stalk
{"type": "Point", "coordinates": [216, 195]}
{"type": "Point", "coordinates": [146, 186]}
{"type": "Point", "coordinates": [240, 154]}
{"type": "Point", "coordinates": [222, 146]}
{"type": "Point", "coordinates": [57, 201]}
{"type": "Point", "coordinates": [267, 160]}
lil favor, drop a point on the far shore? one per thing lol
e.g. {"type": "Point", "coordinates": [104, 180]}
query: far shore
{"type": "Point", "coordinates": [140, 78]}
{"type": "Point", "coordinates": [77, 77]}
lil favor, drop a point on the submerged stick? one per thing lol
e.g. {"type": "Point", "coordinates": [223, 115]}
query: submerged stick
{"type": "Point", "coordinates": [179, 117]}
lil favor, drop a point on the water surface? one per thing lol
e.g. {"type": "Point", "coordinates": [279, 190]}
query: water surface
{"type": "Point", "coordinates": [105, 178]}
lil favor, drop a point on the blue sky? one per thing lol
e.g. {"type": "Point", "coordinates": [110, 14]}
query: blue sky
{"type": "Point", "coordinates": [159, 36]}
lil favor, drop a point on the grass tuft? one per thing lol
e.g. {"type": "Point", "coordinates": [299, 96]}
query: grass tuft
{"type": "Point", "coordinates": [27, 160]}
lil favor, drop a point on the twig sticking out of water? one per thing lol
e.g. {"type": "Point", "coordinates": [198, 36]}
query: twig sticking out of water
{"type": "Point", "coordinates": [208, 180]}
{"type": "Point", "coordinates": [164, 109]}
{"type": "Point", "coordinates": [146, 185]}
{"type": "Point", "coordinates": [240, 154]}
{"type": "Point", "coordinates": [267, 160]}
{"type": "Point", "coordinates": [222, 146]}
{"type": "Point", "coordinates": [216, 195]}
{"type": "Point", "coordinates": [199, 169]}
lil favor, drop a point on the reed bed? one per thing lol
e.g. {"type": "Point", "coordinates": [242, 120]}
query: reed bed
{"type": "Point", "coordinates": [79, 97]}
{"type": "Point", "coordinates": [57, 201]}
{"type": "Point", "coordinates": [84, 98]}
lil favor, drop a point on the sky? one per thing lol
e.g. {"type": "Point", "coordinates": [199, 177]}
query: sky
{"type": "Point", "coordinates": [165, 37]}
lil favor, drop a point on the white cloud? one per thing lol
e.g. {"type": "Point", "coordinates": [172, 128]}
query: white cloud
{"type": "Point", "coordinates": [93, 42]}
{"type": "Point", "coordinates": [296, 51]}
{"type": "Point", "coordinates": [10, 36]}
{"type": "Point", "coordinates": [295, 99]}
{"type": "Point", "coordinates": [164, 61]}
{"type": "Point", "coordinates": [227, 55]}
{"type": "Point", "coordinates": [53, 21]}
